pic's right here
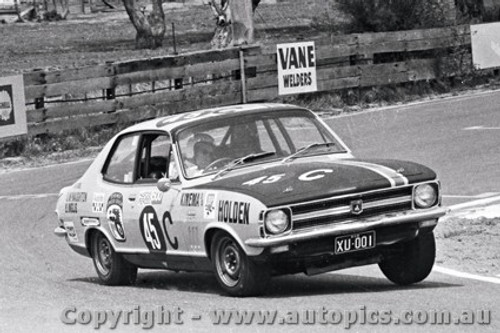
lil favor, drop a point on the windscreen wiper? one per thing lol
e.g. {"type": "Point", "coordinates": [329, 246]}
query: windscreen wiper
{"type": "Point", "coordinates": [306, 148]}
{"type": "Point", "coordinates": [243, 160]}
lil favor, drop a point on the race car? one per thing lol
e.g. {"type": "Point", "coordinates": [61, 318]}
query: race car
{"type": "Point", "coordinates": [249, 192]}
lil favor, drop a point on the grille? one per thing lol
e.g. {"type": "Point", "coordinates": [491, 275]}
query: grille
{"type": "Point", "coordinates": [338, 209]}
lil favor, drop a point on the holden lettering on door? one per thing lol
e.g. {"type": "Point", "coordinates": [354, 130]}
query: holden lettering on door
{"type": "Point", "coordinates": [233, 212]}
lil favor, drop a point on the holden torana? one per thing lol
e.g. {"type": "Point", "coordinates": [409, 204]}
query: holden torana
{"type": "Point", "coordinates": [248, 192]}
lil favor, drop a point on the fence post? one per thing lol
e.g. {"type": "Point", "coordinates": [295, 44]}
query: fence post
{"type": "Point", "coordinates": [243, 78]}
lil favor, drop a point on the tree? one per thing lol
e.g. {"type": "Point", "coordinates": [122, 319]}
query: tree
{"type": "Point", "coordinates": [150, 26]}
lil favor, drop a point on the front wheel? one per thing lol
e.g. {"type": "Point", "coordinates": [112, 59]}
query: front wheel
{"type": "Point", "coordinates": [412, 261]}
{"type": "Point", "coordinates": [236, 273]}
{"type": "Point", "coordinates": [111, 268]}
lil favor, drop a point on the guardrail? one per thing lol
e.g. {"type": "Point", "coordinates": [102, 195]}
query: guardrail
{"type": "Point", "coordinates": [141, 89]}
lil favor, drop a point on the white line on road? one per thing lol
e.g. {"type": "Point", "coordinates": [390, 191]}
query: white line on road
{"type": "Point", "coordinates": [477, 196]}
{"type": "Point", "coordinates": [464, 275]}
{"type": "Point", "coordinates": [412, 105]}
{"type": "Point", "coordinates": [473, 204]}
{"type": "Point", "coordinates": [480, 128]}
{"type": "Point", "coordinates": [28, 196]}
{"type": "Point", "coordinates": [48, 166]}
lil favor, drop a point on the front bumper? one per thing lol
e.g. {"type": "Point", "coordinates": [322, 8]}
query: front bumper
{"type": "Point", "coordinates": [354, 226]}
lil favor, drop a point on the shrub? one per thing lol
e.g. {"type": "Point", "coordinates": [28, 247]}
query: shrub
{"type": "Point", "coordinates": [385, 15]}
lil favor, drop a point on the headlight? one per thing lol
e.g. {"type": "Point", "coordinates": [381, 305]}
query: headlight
{"type": "Point", "coordinates": [277, 221]}
{"type": "Point", "coordinates": [425, 195]}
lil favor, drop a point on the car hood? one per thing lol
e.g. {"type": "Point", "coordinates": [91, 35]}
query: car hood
{"type": "Point", "coordinates": [305, 179]}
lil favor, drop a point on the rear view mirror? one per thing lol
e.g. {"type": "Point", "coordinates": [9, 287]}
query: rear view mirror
{"type": "Point", "coordinates": [164, 184]}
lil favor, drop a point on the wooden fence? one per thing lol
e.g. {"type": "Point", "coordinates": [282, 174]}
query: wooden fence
{"type": "Point", "coordinates": [142, 89]}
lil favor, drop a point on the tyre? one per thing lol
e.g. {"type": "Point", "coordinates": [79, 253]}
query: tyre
{"type": "Point", "coordinates": [235, 272]}
{"type": "Point", "coordinates": [111, 268]}
{"type": "Point", "coordinates": [412, 261]}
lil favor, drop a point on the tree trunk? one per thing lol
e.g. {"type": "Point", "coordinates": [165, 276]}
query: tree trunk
{"type": "Point", "coordinates": [242, 22]}
{"type": "Point", "coordinates": [150, 27]}
{"type": "Point", "coordinates": [240, 29]}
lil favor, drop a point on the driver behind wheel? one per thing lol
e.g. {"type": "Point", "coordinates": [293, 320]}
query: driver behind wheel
{"type": "Point", "coordinates": [203, 155]}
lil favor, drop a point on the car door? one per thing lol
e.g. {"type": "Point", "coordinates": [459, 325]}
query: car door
{"type": "Point", "coordinates": [150, 210]}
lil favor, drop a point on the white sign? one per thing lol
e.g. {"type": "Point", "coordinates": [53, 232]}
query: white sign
{"type": "Point", "coordinates": [485, 45]}
{"type": "Point", "coordinates": [296, 68]}
{"type": "Point", "coordinates": [7, 3]}
{"type": "Point", "coordinates": [12, 107]}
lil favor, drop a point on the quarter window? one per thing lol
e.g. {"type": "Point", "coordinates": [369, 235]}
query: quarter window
{"type": "Point", "coordinates": [121, 164]}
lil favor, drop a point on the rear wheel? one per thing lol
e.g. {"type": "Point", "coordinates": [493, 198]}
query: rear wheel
{"type": "Point", "coordinates": [236, 273]}
{"type": "Point", "coordinates": [412, 261]}
{"type": "Point", "coordinates": [111, 267]}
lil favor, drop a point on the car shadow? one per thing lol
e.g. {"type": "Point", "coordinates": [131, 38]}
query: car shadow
{"type": "Point", "coordinates": [278, 287]}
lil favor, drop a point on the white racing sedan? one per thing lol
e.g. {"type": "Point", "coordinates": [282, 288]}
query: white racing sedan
{"type": "Point", "coordinates": [248, 192]}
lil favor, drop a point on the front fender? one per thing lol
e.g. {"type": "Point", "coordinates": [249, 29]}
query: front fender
{"type": "Point", "coordinates": [212, 228]}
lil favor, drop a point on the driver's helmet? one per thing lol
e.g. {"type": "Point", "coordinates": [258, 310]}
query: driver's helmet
{"type": "Point", "coordinates": [203, 154]}
{"type": "Point", "coordinates": [194, 139]}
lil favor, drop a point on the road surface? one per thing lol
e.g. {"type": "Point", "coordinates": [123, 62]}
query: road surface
{"type": "Point", "coordinates": [43, 283]}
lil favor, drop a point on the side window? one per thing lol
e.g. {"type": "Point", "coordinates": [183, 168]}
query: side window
{"type": "Point", "coordinates": [155, 150]}
{"type": "Point", "coordinates": [121, 164]}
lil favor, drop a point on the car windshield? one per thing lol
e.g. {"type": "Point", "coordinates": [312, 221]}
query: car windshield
{"type": "Point", "coordinates": [232, 142]}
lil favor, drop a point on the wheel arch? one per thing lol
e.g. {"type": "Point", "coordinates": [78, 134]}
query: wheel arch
{"type": "Point", "coordinates": [209, 236]}
{"type": "Point", "coordinates": [89, 234]}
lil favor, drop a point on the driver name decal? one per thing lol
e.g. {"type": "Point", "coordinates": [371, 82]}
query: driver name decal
{"type": "Point", "coordinates": [233, 212]}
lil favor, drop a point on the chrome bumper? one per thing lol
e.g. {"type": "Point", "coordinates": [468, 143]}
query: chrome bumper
{"type": "Point", "coordinates": [60, 232]}
{"type": "Point", "coordinates": [353, 226]}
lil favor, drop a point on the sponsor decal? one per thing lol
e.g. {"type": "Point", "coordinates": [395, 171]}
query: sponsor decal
{"type": "Point", "coordinates": [191, 215]}
{"type": "Point", "coordinates": [71, 207]}
{"type": "Point", "coordinates": [357, 207]}
{"type": "Point", "coordinates": [233, 212]}
{"type": "Point", "coordinates": [192, 199]}
{"type": "Point", "coordinates": [71, 231]}
{"type": "Point", "coordinates": [150, 198]}
{"type": "Point", "coordinates": [12, 106]}
{"type": "Point", "coordinates": [6, 108]}
{"type": "Point", "coordinates": [210, 208]}
{"type": "Point", "coordinates": [114, 214]}
{"type": "Point", "coordinates": [76, 197]}
{"type": "Point", "coordinates": [88, 221]}
{"type": "Point", "coordinates": [98, 203]}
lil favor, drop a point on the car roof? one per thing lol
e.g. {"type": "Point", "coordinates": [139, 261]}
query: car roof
{"type": "Point", "coordinates": [168, 123]}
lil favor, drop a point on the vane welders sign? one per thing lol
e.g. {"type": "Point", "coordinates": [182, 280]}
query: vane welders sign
{"type": "Point", "coordinates": [12, 107]}
{"type": "Point", "coordinates": [296, 68]}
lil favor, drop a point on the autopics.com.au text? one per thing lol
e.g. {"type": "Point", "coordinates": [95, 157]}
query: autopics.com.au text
{"type": "Point", "coordinates": [162, 315]}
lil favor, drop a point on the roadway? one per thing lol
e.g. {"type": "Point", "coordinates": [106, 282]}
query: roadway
{"type": "Point", "coordinates": [458, 137]}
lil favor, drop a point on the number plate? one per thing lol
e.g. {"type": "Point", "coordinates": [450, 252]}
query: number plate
{"type": "Point", "coordinates": [355, 242]}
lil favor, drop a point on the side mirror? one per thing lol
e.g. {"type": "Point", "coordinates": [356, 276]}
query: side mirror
{"type": "Point", "coordinates": [164, 184]}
